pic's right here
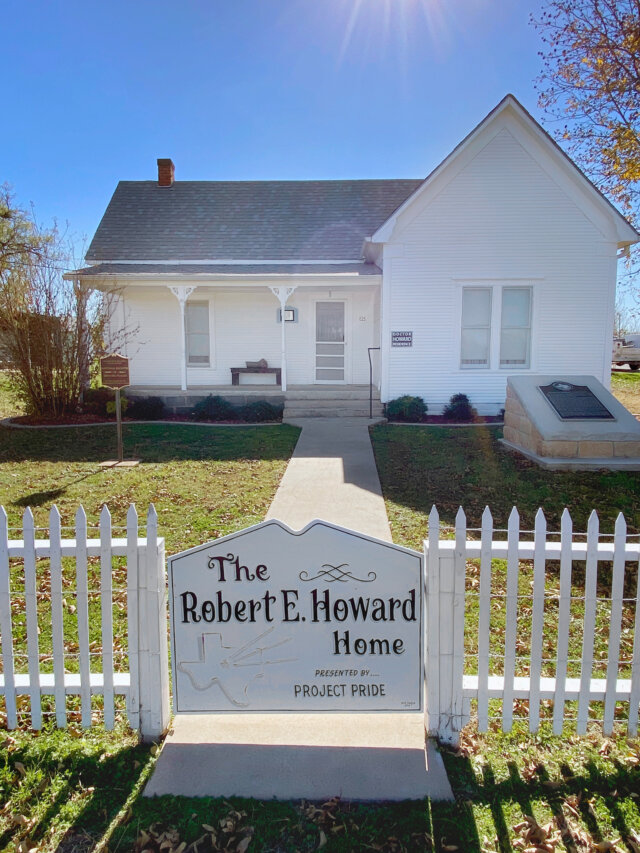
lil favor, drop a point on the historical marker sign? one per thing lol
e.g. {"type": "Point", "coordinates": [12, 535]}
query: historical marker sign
{"type": "Point", "coordinates": [324, 619]}
{"type": "Point", "coordinates": [575, 402]}
{"type": "Point", "coordinates": [114, 371]}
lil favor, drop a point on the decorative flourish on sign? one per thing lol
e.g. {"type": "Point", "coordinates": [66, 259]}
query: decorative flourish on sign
{"type": "Point", "coordinates": [331, 574]}
{"type": "Point", "coordinates": [226, 665]}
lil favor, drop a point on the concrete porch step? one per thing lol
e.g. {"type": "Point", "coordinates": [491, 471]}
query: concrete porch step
{"type": "Point", "coordinates": [294, 413]}
{"type": "Point", "coordinates": [330, 392]}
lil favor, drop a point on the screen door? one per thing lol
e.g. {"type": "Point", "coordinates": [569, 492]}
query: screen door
{"type": "Point", "coordinates": [330, 341]}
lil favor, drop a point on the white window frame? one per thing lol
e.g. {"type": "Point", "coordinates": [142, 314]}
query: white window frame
{"type": "Point", "coordinates": [197, 365]}
{"type": "Point", "coordinates": [497, 286]}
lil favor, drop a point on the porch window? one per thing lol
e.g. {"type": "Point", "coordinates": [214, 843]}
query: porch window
{"type": "Point", "coordinates": [515, 332]}
{"type": "Point", "coordinates": [476, 327]}
{"type": "Point", "coordinates": [197, 334]}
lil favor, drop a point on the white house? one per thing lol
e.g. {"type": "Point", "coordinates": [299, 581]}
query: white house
{"type": "Point", "coordinates": [502, 260]}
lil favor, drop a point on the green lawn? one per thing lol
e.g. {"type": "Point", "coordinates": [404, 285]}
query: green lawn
{"type": "Point", "coordinates": [9, 404]}
{"type": "Point", "coordinates": [453, 467]}
{"type": "Point", "coordinates": [204, 482]}
{"type": "Point", "coordinates": [626, 387]}
{"type": "Point", "coordinates": [499, 779]}
{"type": "Point", "coordinates": [78, 791]}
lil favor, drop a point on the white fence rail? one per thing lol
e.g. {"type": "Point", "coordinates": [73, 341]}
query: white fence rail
{"type": "Point", "coordinates": [23, 583]}
{"type": "Point", "coordinates": [546, 605]}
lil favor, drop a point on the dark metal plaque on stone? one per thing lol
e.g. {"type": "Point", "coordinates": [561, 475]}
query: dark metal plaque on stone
{"type": "Point", "coordinates": [114, 371]}
{"type": "Point", "coordinates": [575, 402]}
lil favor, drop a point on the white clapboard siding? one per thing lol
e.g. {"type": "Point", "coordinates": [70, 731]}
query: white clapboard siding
{"type": "Point", "coordinates": [150, 721]}
{"type": "Point", "coordinates": [453, 692]}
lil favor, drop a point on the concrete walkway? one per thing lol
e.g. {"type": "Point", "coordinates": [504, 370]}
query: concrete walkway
{"type": "Point", "coordinates": [332, 475]}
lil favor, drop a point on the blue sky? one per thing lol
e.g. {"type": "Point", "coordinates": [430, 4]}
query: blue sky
{"type": "Point", "coordinates": [95, 92]}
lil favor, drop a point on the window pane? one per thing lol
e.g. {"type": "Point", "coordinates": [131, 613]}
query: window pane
{"type": "Point", "coordinates": [516, 307]}
{"type": "Point", "coordinates": [475, 346]}
{"type": "Point", "coordinates": [330, 321]}
{"type": "Point", "coordinates": [198, 317]}
{"type": "Point", "coordinates": [197, 328]}
{"type": "Point", "coordinates": [514, 347]}
{"type": "Point", "coordinates": [329, 361]}
{"type": "Point", "coordinates": [476, 306]}
{"type": "Point", "coordinates": [331, 375]}
{"type": "Point", "coordinates": [329, 349]}
{"type": "Point", "coordinates": [198, 345]}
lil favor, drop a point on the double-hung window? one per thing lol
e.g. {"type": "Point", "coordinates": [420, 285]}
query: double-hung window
{"type": "Point", "coordinates": [197, 334]}
{"type": "Point", "coordinates": [496, 327]}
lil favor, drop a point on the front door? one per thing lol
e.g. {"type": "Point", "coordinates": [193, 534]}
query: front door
{"type": "Point", "coordinates": [330, 342]}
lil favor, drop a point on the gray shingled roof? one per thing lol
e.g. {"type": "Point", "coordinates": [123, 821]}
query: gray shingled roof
{"type": "Point", "coordinates": [237, 220]}
{"type": "Point", "coordinates": [232, 270]}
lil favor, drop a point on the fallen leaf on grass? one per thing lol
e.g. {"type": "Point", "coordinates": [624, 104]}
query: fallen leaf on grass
{"type": "Point", "coordinates": [633, 841]}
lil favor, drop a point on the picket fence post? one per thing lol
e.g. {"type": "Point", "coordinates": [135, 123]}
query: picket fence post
{"type": "Point", "coordinates": [445, 631]}
{"type": "Point", "coordinates": [153, 651]}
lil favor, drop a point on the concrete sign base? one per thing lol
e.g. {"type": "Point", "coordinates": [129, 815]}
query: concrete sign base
{"type": "Point", "coordinates": [374, 756]}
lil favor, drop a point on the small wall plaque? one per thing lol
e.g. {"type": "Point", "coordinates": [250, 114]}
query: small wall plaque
{"type": "Point", "coordinates": [401, 339]}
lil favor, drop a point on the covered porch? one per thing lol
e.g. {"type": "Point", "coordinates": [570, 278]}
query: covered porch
{"type": "Point", "coordinates": [239, 338]}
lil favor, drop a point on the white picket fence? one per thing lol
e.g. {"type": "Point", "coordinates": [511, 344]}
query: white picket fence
{"type": "Point", "coordinates": [145, 684]}
{"type": "Point", "coordinates": [450, 690]}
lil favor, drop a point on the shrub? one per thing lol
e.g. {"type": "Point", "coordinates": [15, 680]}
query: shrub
{"type": "Point", "coordinates": [214, 409]}
{"type": "Point", "coordinates": [459, 409]}
{"type": "Point", "coordinates": [260, 410]}
{"type": "Point", "coordinates": [111, 405]}
{"type": "Point", "coordinates": [94, 400]}
{"type": "Point", "coordinates": [408, 409]}
{"type": "Point", "coordinates": [146, 408]}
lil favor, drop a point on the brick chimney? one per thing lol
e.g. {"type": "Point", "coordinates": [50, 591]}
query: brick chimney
{"type": "Point", "coordinates": [166, 173]}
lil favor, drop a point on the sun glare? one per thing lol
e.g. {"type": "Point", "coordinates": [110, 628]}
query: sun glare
{"type": "Point", "coordinates": [385, 24]}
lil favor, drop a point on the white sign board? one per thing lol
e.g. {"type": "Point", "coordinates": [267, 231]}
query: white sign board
{"type": "Point", "coordinates": [324, 619]}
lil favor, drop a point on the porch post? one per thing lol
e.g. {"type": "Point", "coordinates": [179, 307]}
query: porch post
{"type": "Point", "coordinates": [283, 294]}
{"type": "Point", "coordinates": [182, 293]}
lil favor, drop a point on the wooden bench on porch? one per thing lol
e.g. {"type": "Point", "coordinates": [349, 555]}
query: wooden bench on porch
{"type": "Point", "coordinates": [236, 371]}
